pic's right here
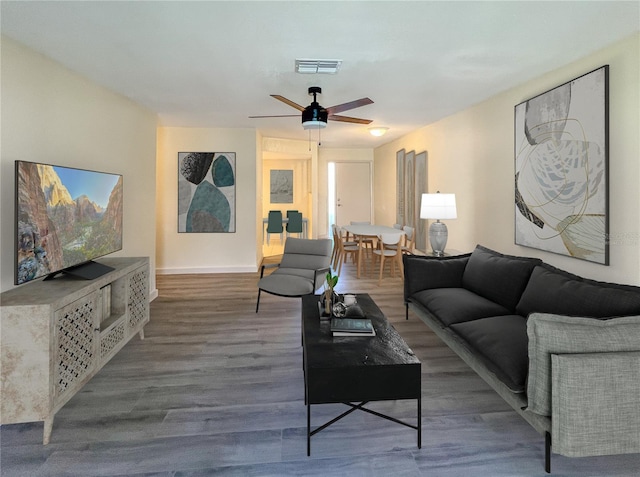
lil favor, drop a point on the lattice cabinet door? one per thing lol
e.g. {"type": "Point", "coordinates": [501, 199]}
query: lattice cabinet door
{"type": "Point", "coordinates": [76, 353]}
{"type": "Point", "coordinates": [138, 306]}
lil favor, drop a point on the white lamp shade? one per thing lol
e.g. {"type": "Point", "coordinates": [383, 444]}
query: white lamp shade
{"type": "Point", "coordinates": [438, 206]}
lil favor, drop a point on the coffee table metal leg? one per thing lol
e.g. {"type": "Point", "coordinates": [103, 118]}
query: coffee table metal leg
{"type": "Point", "coordinates": [356, 407]}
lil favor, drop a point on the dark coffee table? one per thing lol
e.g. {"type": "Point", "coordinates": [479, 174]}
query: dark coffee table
{"type": "Point", "coordinates": [356, 370]}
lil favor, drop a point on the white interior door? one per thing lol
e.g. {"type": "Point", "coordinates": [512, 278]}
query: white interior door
{"type": "Point", "coordinates": [353, 192]}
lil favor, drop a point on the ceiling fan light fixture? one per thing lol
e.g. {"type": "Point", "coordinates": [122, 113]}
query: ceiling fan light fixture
{"type": "Point", "coordinates": [378, 131]}
{"type": "Point", "coordinates": [313, 125]}
{"type": "Point", "coordinates": [314, 116]}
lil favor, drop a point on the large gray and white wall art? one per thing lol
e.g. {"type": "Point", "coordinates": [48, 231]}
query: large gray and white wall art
{"type": "Point", "coordinates": [561, 169]}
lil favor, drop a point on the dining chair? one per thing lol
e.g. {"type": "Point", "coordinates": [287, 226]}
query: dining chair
{"type": "Point", "coordinates": [343, 249]}
{"type": "Point", "coordinates": [336, 245]}
{"type": "Point", "coordinates": [397, 226]}
{"type": "Point", "coordinates": [385, 251]}
{"type": "Point", "coordinates": [409, 239]}
{"type": "Point", "coordinates": [338, 234]}
{"type": "Point", "coordinates": [274, 224]}
{"type": "Point", "coordinates": [294, 225]}
{"type": "Point", "coordinates": [407, 242]}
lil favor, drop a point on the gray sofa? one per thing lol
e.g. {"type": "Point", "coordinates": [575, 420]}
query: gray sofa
{"type": "Point", "coordinates": [562, 350]}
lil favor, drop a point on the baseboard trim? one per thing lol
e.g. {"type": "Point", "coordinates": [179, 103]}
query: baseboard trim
{"type": "Point", "coordinates": [153, 295]}
{"type": "Point", "coordinates": [199, 270]}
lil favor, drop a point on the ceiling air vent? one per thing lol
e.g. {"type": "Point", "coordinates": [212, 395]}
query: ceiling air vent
{"type": "Point", "coordinates": [330, 67]}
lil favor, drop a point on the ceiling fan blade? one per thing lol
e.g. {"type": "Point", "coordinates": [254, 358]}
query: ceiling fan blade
{"type": "Point", "coordinates": [288, 101]}
{"type": "Point", "coordinates": [347, 119]}
{"type": "Point", "coordinates": [277, 116]}
{"type": "Point", "coordinates": [339, 108]}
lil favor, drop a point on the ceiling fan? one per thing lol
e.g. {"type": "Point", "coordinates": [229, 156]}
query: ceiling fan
{"type": "Point", "coordinates": [315, 116]}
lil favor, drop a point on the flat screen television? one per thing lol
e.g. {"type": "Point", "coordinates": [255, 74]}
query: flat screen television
{"type": "Point", "coordinates": [65, 218]}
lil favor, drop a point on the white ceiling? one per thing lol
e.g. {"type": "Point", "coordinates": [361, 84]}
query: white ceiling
{"type": "Point", "coordinates": [213, 64]}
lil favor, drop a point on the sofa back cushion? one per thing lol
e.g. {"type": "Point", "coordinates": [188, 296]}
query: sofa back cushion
{"type": "Point", "coordinates": [497, 277]}
{"type": "Point", "coordinates": [426, 272]}
{"type": "Point", "coordinates": [551, 290]}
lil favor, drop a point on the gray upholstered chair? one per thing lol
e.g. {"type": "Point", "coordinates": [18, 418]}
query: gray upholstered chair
{"type": "Point", "coordinates": [301, 271]}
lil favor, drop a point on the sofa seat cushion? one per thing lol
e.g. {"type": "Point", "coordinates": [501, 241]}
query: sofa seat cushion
{"type": "Point", "coordinates": [456, 305]}
{"type": "Point", "coordinates": [500, 278]}
{"type": "Point", "coordinates": [551, 290]}
{"type": "Point", "coordinates": [502, 343]}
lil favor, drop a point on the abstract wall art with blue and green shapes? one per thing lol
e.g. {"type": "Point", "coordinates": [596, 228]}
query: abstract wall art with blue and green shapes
{"type": "Point", "coordinates": [206, 192]}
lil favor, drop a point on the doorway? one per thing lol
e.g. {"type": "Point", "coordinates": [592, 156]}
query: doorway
{"type": "Point", "coordinates": [350, 194]}
{"type": "Point", "coordinates": [286, 185]}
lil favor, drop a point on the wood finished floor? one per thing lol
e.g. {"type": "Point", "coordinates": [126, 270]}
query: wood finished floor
{"type": "Point", "coordinates": [216, 389]}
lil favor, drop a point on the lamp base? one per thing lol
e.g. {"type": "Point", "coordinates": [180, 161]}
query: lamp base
{"type": "Point", "coordinates": [438, 236]}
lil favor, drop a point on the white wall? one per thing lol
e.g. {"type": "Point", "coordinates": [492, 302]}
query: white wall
{"type": "Point", "coordinates": [207, 252]}
{"type": "Point", "coordinates": [52, 115]}
{"type": "Point", "coordinates": [472, 154]}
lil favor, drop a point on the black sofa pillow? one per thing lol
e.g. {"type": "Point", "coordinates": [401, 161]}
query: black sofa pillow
{"type": "Point", "coordinates": [551, 290]}
{"type": "Point", "coordinates": [500, 278]}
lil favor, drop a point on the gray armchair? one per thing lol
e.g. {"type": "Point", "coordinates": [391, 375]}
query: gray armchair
{"type": "Point", "coordinates": [302, 270]}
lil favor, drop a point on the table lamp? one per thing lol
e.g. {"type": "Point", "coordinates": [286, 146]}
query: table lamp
{"type": "Point", "coordinates": [438, 206]}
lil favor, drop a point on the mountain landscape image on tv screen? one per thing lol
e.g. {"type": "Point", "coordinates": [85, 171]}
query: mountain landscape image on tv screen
{"type": "Point", "coordinates": [64, 217]}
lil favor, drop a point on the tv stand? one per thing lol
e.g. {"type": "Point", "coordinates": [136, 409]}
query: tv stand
{"type": "Point", "coordinates": [86, 271]}
{"type": "Point", "coordinates": [57, 334]}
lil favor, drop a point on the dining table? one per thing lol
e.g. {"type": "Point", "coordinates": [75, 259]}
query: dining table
{"type": "Point", "coordinates": [364, 231]}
